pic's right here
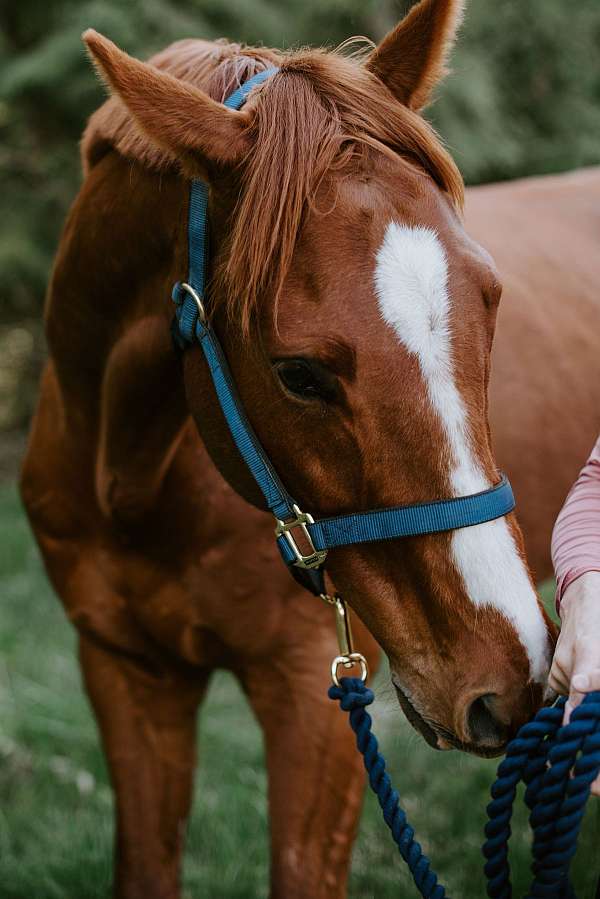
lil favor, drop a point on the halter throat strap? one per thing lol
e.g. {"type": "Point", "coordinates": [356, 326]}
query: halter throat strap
{"type": "Point", "coordinates": [302, 541]}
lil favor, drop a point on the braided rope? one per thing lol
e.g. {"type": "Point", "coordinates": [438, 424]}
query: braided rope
{"type": "Point", "coordinates": [557, 765]}
{"type": "Point", "coordinates": [353, 695]}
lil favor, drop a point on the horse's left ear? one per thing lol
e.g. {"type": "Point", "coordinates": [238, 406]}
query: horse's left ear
{"type": "Point", "coordinates": [173, 114]}
{"type": "Point", "coordinates": [411, 59]}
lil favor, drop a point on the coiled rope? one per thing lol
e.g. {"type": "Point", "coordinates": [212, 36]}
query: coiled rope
{"type": "Point", "coordinates": [557, 764]}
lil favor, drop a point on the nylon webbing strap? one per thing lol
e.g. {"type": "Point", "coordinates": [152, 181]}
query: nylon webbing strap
{"type": "Point", "coordinates": [409, 521]}
{"type": "Point", "coordinates": [239, 97]}
{"type": "Point", "coordinates": [341, 530]}
{"type": "Point", "coordinates": [275, 494]}
{"type": "Point", "coordinates": [198, 236]}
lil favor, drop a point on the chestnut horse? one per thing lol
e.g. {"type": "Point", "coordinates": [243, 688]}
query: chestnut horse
{"type": "Point", "coordinates": [358, 318]}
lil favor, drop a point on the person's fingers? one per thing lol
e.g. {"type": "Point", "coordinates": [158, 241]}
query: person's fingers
{"type": "Point", "coordinates": [588, 682]}
{"type": "Point", "coordinates": [586, 660]}
{"type": "Point", "coordinates": [586, 657]}
{"type": "Point", "coordinates": [580, 685]}
{"type": "Point", "coordinates": [559, 683]}
{"type": "Point", "coordinates": [596, 787]}
{"type": "Point", "coordinates": [573, 701]}
{"type": "Point", "coordinates": [558, 679]}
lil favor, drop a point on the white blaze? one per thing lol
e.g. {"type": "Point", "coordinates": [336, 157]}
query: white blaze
{"type": "Point", "coordinates": [411, 282]}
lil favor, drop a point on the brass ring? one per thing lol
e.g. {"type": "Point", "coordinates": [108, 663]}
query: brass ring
{"type": "Point", "coordinates": [354, 658]}
{"type": "Point", "coordinates": [196, 298]}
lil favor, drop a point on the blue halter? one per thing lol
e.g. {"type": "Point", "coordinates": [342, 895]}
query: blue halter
{"type": "Point", "coordinates": [191, 324]}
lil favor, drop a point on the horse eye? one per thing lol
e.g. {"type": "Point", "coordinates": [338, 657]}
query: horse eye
{"type": "Point", "coordinates": [302, 379]}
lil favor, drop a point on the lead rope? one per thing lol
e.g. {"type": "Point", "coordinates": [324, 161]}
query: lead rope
{"type": "Point", "coordinates": [557, 765]}
{"type": "Point", "coordinates": [353, 695]}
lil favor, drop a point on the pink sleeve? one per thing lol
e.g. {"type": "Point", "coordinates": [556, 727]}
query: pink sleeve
{"type": "Point", "coordinates": [576, 537]}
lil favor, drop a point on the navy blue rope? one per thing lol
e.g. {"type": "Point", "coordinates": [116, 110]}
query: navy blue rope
{"type": "Point", "coordinates": [353, 695]}
{"type": "Point", "coordinates": [557, 764]}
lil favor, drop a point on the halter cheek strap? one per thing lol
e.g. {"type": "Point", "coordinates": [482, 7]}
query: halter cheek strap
{"type": "Point", "coordinates": [305, 559]}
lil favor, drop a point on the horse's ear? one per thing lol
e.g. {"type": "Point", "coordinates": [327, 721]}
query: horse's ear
{"type": "Point", "coordinates": [411, 59]}
{"type": "Point", "coordinates": [173, 114]}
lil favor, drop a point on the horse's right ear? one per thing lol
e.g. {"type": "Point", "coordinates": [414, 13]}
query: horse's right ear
{"type": "Point", "coordinates": [411, 59]}
{"type": "Point", "coordinates": [173, 114]}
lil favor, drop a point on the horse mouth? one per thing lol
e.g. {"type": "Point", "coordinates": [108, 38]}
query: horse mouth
{"type": "Point", "coordinates": [416, 719]}
{"type": "Point", "coordinates": [442, 739]}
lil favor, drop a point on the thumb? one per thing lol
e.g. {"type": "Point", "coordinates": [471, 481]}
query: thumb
{"type": "Point", "coordinates": [581, 683]}
{"type": "Point", "coordinates": [586, 660]}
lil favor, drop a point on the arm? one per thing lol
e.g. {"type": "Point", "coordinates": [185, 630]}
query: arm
{"type": "Point", "coordinates": [576, 537]}
{"type": "Point", "coordinates": [576, 558]}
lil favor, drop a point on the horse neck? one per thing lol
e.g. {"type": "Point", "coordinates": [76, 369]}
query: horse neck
{"type": "Point", "coordinates": [108, 326]}
{"type": "Point", "coordinates": [108, 317]}
{"type": "Point", "coordinates": [114, 265]}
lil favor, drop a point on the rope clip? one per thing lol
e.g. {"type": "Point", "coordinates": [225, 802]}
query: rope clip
{"type": "Point", "coordinates": [348, 658]}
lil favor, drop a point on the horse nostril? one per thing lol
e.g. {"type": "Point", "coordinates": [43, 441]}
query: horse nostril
{"type": "Point", "coordinates": [482, 725]}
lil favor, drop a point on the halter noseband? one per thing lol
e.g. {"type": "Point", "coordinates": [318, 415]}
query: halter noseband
{"type": "Point", "coordinates": [191, 324]}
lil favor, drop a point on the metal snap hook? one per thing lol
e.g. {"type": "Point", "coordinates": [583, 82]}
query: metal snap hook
{"type": "Point", "coordinates": [348, 661]}
{"type": "Point", "coordinates": [347, 657]}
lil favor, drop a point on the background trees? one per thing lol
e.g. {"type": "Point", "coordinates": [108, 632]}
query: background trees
{"type": "Point", "coordinates": [524, 98]}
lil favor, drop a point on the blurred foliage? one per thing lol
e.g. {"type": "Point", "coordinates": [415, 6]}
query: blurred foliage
{"type": "Point", "coordinates": [524, 98]}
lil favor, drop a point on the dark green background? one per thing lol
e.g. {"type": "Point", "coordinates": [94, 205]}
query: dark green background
{"type": "Point", "coordinates": [524, 98]}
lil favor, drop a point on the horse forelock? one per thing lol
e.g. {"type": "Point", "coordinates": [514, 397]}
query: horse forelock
{"type": "Point", "coordinates": [319, 112]}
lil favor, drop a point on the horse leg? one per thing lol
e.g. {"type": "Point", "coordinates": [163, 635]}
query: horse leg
{"type": "Point", "coordinates": [148, 725]}
{"type": "Point", "coordinates": [316, 775]}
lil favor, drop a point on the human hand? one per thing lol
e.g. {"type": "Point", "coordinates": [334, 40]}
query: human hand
{"type": "Point", "coordinates": [576, 664]}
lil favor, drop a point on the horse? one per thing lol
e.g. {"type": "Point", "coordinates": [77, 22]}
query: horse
{"type": "Point", "coordinates": [544, 410]}
{"type": "Point", "coordinates": [358, 319]}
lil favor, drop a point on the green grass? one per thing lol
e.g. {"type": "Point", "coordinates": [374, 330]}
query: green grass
{"type": "Point", "coordinates": [56, 806]}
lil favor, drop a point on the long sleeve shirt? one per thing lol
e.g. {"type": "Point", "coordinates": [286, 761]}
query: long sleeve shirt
{"type": "Point", "coordinates": [576, 537]}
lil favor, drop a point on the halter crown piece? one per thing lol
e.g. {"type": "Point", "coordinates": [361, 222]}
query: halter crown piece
{"type": "Point", "coordinates": [558, 764]}
{"type": "Point", "coordinates": [191, 324]}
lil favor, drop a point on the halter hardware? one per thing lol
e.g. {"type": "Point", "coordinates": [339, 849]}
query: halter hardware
{"type": "Point", "coordinates": [186, 288]}
{"type": "Point", "coordinates": [315, 557]}
{"type": "Point", "coordinates": [347, 657]}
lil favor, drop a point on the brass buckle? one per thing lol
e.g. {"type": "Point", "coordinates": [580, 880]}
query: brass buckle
{"type": "Point", "coordinates": [314, 558]}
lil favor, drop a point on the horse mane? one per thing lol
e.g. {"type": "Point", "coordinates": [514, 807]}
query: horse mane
{"type": "Point", "coordinates": [317, 113]}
